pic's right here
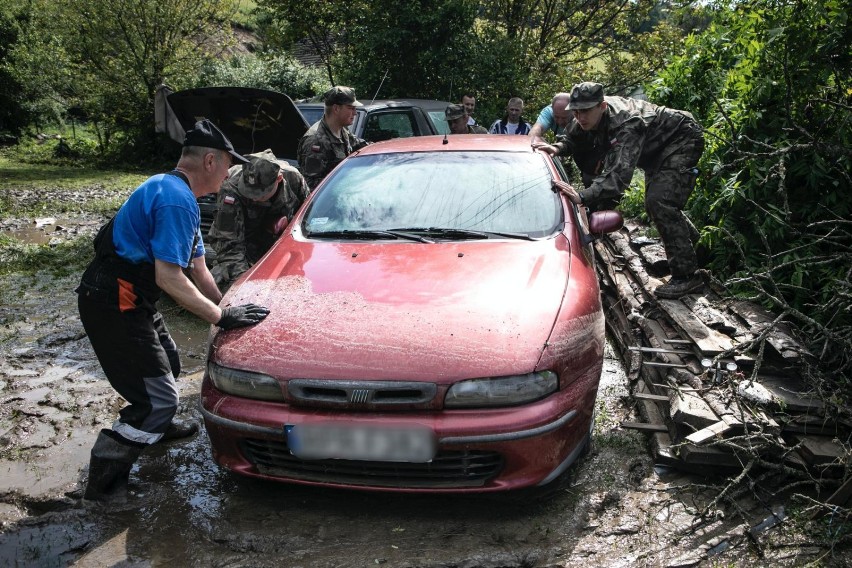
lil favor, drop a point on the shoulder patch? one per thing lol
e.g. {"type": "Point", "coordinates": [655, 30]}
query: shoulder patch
{"type": "Point", "coordinates": [229, 200]}
{"type": "Point", "coordinates": [316, 148]}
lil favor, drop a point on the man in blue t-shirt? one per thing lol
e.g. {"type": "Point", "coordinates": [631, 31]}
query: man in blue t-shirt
{"type": "Point", "coordinates": [149, 247]}
{"type": "Point", "coordinates": [552, 118]}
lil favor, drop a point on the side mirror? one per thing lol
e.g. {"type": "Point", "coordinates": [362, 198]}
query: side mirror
{"type": "Point", "coordinates": [601, 222]}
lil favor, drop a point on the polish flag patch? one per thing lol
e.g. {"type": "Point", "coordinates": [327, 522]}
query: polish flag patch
{"type": "Point", "coordinates": [315, 148]}
{"type": "Point", "coordinates": [229, 200]}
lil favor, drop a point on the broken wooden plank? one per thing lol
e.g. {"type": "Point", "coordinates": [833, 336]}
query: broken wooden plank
{"type": "Point", "coordinates": [655, 259]}
{"type": "Point", "coordinates": [780, 337]}
{"type": "Point", "coordinates": [710, 315]}
{"type": "Point", "coordinates": [659, 338]}
{"type": "Point", "coordinates": [708, 433]}
{"type": "Point", "coordinates": [661, 442]}
{"type": "Point", "coordinates": [661, 350]}
{"type": "Point", "coordinates": [621, 281]}
{"type": "Point", "coordinates": [649, 396]}
{"type": "Point", "coordinates": [790, 396]}
{"type": "Point", "coordinates": [645, 426]}
{"type": "Point", "coordinates": [820, 450]}
{"type": "Point", "coordinates": [839, 498]}
{"type": "Point", "coordinates": [690, 408]}
{"type": "Point", "coordinates": [661, 364]}
{"type": "Point", "coordinates": [709, 341]}
{"type": "Point", "coordinates": [809, 424]}
{"type": "Point", "coordinates": [708, 455]}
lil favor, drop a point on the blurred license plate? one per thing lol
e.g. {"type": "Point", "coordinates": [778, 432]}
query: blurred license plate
{"type": "Point", "coordinates": [325, 441]}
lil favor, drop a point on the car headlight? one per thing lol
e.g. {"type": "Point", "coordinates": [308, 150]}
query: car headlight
{"type": "Point", "coordinates": [244, 383]}
{"type": "Point", "coordinates": [501, 391]}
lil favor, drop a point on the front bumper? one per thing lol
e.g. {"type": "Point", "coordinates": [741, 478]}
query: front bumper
{"type": "Point", "coordinates": [478, 450]}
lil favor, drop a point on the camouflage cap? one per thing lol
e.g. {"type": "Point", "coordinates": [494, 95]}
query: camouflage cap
{"type": "Point", "coordinates": [259, 176]}
{"type": "Point", "coordinates": [340, 96]}
{"type": "Point", "coordinates": [454, 112]}
{"type": "Point", "coordinates": [586, 95]}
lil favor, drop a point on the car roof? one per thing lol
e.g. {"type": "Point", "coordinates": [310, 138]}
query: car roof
{"type": "Point", "coordinates": [454, 143]}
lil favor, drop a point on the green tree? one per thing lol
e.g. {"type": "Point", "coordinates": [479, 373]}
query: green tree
{"type": "Point", "coordinates": [36, 63]}
{"type": "Point", "coordinates": [107, 57]}
{"type": "Point", "coordinates": [497, 48]}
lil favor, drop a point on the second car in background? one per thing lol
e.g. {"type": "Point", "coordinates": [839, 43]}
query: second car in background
{"type": "Point", "coordinates": [386, 119]}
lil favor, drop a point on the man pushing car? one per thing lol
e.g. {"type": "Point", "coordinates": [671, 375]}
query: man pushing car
{"type": "Point", "coordinates": [149, 247]}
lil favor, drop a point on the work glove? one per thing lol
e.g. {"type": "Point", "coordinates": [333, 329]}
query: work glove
{"type": "Point", "coordinates": [240, 316]}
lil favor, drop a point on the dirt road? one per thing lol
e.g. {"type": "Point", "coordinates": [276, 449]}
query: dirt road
{"type": "Point", "coordinates": [615, 509]}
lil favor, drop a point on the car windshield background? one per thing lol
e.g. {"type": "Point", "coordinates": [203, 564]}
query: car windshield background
{"type": "Point", "coordinates": [439, 120]}
{"type": "Point", "coordinates": [507, 192]}
{"type": "Point", "coordinates": [312, 114]}
{"type": "Point", "coordinates": [387, 125]}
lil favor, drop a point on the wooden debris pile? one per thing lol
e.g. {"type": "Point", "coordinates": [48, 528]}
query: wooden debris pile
{"type": "Point", "coordinates": [692, 361]}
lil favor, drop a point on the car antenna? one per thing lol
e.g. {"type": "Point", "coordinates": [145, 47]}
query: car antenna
{"type": "Point", "coordinates": [380, 86]}
{"type": "Point", "coordinates": [446, 141]}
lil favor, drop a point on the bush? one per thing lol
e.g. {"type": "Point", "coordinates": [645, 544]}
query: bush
{"type": "Point", "coordinates": [279, 73]}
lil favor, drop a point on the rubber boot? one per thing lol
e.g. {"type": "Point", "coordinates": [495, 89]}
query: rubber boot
{"type": "Point", "coordinates": [109, 469]}
{"type": "Point", "coordinates": [180, 429]}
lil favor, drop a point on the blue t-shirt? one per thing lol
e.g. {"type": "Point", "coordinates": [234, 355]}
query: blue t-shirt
{"type": "Point", "coordinates": [159, 220]}
{"type": "Point", "coordinates": [545, 118]}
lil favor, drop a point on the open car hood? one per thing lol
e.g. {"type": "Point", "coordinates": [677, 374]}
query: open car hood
{"type": "Point", "coordinates": [253, 119]}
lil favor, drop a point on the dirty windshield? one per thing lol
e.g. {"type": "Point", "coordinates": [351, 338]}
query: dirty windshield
{"type": "Point", "coordinates": [440, 194]}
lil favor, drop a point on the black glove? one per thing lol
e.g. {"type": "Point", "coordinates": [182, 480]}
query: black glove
{"type": "Point", "coordinates": [240, 316]}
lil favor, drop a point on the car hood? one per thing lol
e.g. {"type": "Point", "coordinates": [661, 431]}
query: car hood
{"type": "Point", "coordinates": [253, 119]}
{"type": "Point", "coordinates": [406, 311]}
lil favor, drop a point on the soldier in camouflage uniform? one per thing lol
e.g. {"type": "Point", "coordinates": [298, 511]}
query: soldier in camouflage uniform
{"type": "Point", "coordinates": [608, 138]}
{"type": "Point", "coordinates": [328, 141]}
{"type": "Point", "coordinates": [456, 116]}
{"type": "Point", "coordinates": [254, 204]}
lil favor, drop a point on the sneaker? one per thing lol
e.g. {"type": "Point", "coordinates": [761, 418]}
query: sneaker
{"type": "Point", "coordinates": [180, 429]}
{"type": "Point", "coordinates": [677, 286]}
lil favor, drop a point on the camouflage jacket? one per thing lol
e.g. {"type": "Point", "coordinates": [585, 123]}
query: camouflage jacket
{"type": "Point", "coordinates": [631, 133]}
{"type": "Point", "coordinates": [320, 151]}
{"type": "Point", "coordinates": [242, 230]}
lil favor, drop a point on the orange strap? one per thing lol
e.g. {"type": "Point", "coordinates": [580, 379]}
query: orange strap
{"type": "Point", "coordinates": [126, 296]}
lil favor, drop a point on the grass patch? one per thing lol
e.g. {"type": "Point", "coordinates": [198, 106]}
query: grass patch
{"type": "Point", "coordinates": [17, 174]}
{"type": "Point", "coordinates": [60, 260]}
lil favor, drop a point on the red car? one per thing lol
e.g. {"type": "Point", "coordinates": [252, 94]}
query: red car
{"type": "Point", "coordinates": [435, 325]}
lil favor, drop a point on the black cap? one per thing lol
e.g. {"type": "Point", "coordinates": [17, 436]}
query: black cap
{"type": "Point", "coordinates": [207, 135]}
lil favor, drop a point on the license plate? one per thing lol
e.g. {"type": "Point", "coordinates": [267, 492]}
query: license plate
{"type": "Point", "coordinates": [347, 442]}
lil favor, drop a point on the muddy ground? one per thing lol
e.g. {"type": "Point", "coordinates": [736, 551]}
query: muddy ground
{"type": "Point", "coordinates": [616, 508]}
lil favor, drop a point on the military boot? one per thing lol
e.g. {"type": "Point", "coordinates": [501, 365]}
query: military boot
{"type": "Point", "coordinates": [677, 286]}
{"type": "Point", "coordinates": [109, 469]}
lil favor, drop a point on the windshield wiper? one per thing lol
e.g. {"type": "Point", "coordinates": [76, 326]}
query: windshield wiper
{"type": "Point", "coordinates": [523, 236]}
{"type": "Point", "coordinates": [453, 233]}
{"type": "Point", "coordinates": [443, 232]}
{"type": "Point", "coordinates": [366, 234]}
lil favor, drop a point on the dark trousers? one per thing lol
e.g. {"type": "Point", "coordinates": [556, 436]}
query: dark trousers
{"type": "Point", "coordinates": [140, 360]}
{"type": "Point", "coordinates": [667, 189]}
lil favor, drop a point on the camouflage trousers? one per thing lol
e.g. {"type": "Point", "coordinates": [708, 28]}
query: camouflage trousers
{"type": "Point", "coordinates": [668, 186]}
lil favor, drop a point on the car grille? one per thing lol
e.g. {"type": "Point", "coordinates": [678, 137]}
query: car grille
{"type": "Point", "coordinates": [447, 470]}
{"type": "Point", "coordinates": [362, 395]}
